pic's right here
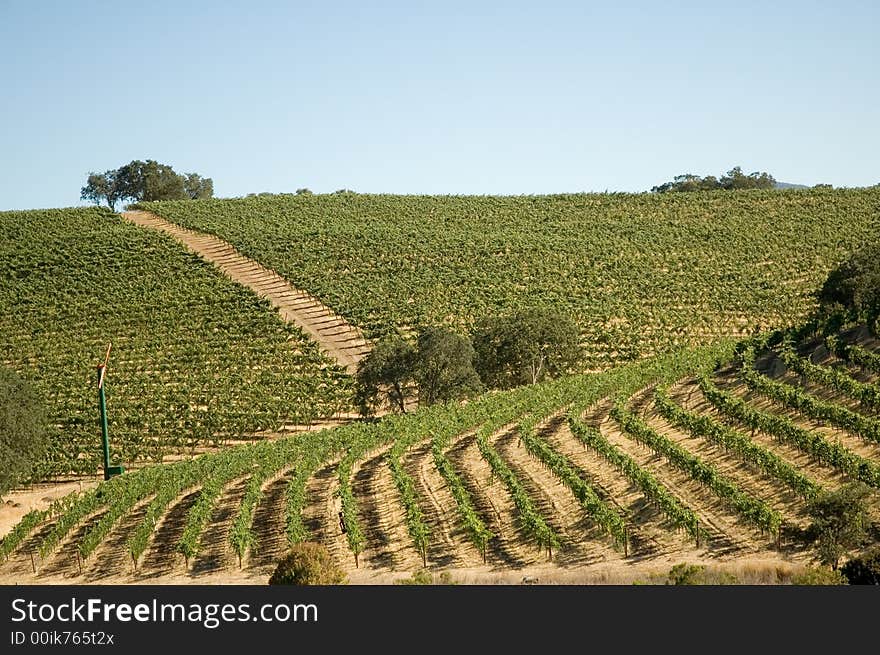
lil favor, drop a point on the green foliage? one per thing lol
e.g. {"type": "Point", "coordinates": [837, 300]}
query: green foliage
{"type": "Point", "coordinates": [818, 576]}
{"type": "Point", "coordinates": [425, 577]}
{"type": "Point", "coordinates": [196, 358]}
{"type": "Point", "coordinates": [438, 367]}
{"type": "Point", "coordinates": [685, 574]}
{"type": "Point", "coordinates": [733, 180]}
{"type": "Point", "coordinates": [103, 187]}
{"type": "Point", "coordinates": [24, 434]}
{"type": "Point", "coordinates": [864, 569]}
{"type": "Point", "coordinates": [145, 181]}
{"type": "Point", "coordinates": [854, 285]}
{"type": "Point", "coordinates": [444, 366]}
{"type": "Point", "coordinates": [386, 376]}
{"type": "Point", "coordinates": [696, 574]}
{"type": "Point", "coordinates": [197, 187]}
{"type": "Point", "coordinates": [525, 347]}
{"type": "Point", "coordinates": [639, 273]}
{"type": "Point", "coordinates": [840, 522]}
{"type": "Point", "coordinates": [308, 563]}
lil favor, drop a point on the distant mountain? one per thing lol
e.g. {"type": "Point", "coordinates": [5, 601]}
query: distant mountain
{"type": "Point", "coordinates": [786, 185]}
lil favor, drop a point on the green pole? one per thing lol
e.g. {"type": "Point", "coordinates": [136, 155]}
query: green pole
{"type": "Point", "coordinates": [102, 402]}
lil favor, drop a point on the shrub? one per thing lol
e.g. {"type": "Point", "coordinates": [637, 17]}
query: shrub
{"type": "Point", "coordinates": [820, 575]}
{"type": "Point", "coordinates": [864, 569]}
{"type": "Point", "coordinates": [425, 577]}
{"type": "Point", "coordinates": [308, 563]}
{"type": "Point", "coordinates": [696, 574]}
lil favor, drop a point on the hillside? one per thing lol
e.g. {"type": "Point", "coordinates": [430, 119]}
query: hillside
{"type": "Point", "coordinates": [702, 456]}
{"type": "Point", "coordinates": [197, 359]}
{"type": "Point", "coordinates": [641, 273]}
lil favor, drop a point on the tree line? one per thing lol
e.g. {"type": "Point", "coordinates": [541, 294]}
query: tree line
{"type": "Point", "coordinates": [144, 181]}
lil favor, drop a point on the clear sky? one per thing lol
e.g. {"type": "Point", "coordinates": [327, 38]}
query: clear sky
{"type": "Point", "coordinates": [445, 97]}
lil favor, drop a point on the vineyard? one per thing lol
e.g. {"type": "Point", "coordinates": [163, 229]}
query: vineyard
{"type": "Point", "coordinates": [640, 272]}
{"type": "Point", "coordinates": [705, 455]}
{"type": "Point", "coordinates": [197, 359]}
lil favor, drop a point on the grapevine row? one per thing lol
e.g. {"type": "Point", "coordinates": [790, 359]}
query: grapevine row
{"type": "Point", "coordinates": [833, 454]}
{"type": "Point", "coordinates": [606, 517]}
{"type": "Point", "coordinates": [680, 515]}
{"type": "Point", "coordinates": [796, 398]}
{"type": "Point", "coordinates": [867, 394]}
{"type": "Point", "coordinates": [529, 517]}
{"type": "Point", "coordinates": [731, 440]}
{"type": "Point", "coordinates": [753, 509]}
{"type": "Point", "coordinates": [854, 354]}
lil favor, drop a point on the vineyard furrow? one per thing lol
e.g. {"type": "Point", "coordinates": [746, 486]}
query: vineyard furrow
{"type": "Point", "coordinates": [650, 534]}
{"type": "Point", "coordinates": [727, 533]}
{"type": "Point", "coordinates": [449, 544]}
{"type": "Point", "coordinates": [162, 556]}
{"type": "Point", "coordinates": [751, 481]}
{"type": "Point", "coordinates": [508, 548]}
{"type": "Point", "coordinates": [760, 402]}
{"type": "Point", "coordinates": [269, 524]}
{"type": "Point", "coordinates": [582, 543]}
{"type": "Point", "coordinates": [215, 552]}
{"type": "Point", "coordinates": [111, 557]}
{"type": "Point", "coordinates": [321, 514]}
{"type": "Point", "coordinates": [388, 545]}
{"type": "Point", "coordinates": [66, 560]}
{"type": "Point", "coordinates": [691, 398]}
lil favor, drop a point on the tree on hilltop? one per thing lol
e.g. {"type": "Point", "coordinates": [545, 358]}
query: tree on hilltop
{"type": "Point", "coordinates": [732, 180]}
{"type": "Point", "coordinates": [145, 181]}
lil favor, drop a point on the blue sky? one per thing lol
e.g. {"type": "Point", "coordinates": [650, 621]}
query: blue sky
{"type": "Point", "coordinates": [445, 97]}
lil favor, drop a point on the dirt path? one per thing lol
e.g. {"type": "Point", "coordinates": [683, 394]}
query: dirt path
{"type": "Point", "coordinates": [335, 336]}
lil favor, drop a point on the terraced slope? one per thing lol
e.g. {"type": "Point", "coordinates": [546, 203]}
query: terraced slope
{"type": "Point", "coordinates": [197, 359]}
{"type": "Point", "coordinates": [679, 458]}
{"type": "Point", "coordinates": [640, 272]}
